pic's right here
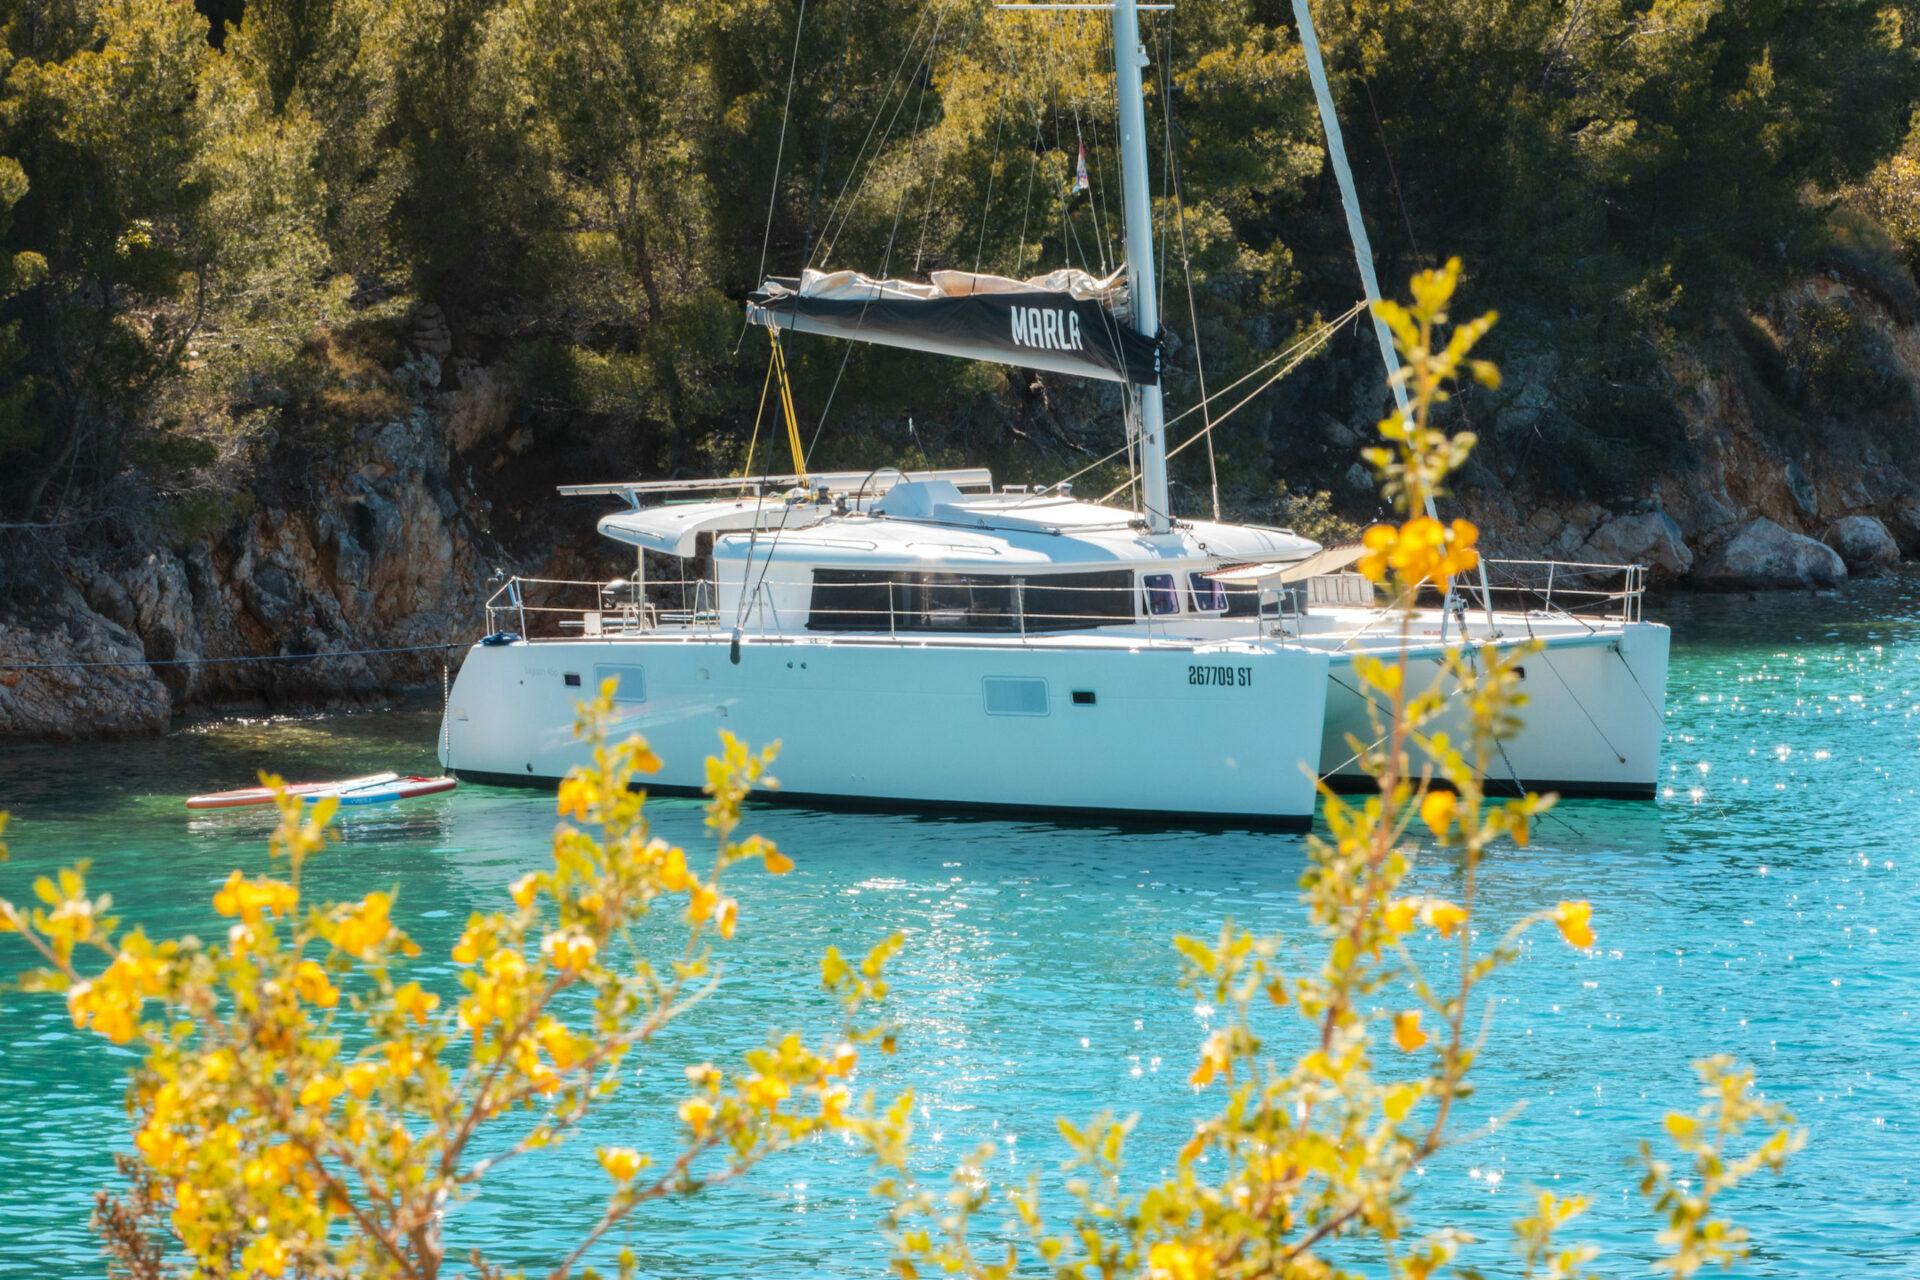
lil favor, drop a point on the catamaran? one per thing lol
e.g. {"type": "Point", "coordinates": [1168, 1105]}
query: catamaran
{"type": "Point", "coordinates": [927, 640]}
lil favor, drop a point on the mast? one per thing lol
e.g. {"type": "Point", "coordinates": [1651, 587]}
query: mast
{"type": "Point", "coordinates": [1128, 58]}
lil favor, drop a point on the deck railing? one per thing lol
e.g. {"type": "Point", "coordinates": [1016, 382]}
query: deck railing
{"type": "Point", "coordinates": [558, 608]}
{"type": "Point", "coordinates": [1565, 588]}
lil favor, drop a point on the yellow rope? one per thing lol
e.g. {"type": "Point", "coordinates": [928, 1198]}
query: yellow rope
{"type": "Point", "coordinates": [747, 470]}
{"type": "Point", "coordinates": [786, 404]}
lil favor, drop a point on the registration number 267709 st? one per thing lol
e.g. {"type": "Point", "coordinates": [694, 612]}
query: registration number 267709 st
{"type": "Point", "coordinates": [1219, 677]}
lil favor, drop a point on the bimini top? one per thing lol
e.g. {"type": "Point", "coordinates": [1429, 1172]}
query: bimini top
{"type": "Point", "coordinates": [932, 526]}
{"type": "Point", "coordinates": [921, 523]}
{"type": "Point", "coordinates": [1066, 321]}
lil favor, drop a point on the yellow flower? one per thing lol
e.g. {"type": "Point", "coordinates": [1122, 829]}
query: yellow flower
{"type": "Point", "coordinates": [474, 941]}
{"type": "Point", "coordinates": [644, 760]}
{"type": "Point", "coordinates": [362, 1079]}
{"type": "Point", "coordinates": [777, 863]}
{"type": "Point", "coordinates": [524, 889]}
{"type": "Point", "coordinates": [766, 1092]}
{"type": "Point", "coordinates": [1576, 923]}
{"type": "Point", "coordinates": [163, 1149]}
{"type": "Point", "coordinates": [1421, 550]}
{"type": "Point", "coordinates": [414, 1002]}
{"type": "Point", "coordinates": [265, 1255]}
{"type": "Point", "coordinates": [560, 1043]}
{"type": "Point", "coordinates": [1214, 1061]}
{"type": "Point", "coordinates": [673, 870]}
{"type": "Point", "coordinates": [729, 916]}
{"type": "Point", "coordinates": [111, 1002]}
{"type": "Point", "coordinates": [364, 927]}
{"type": "Point", "coordinates": [1378, 541]}
{"type": "Point", "coordinates": [1447, 917]}
{"type": "Point", "coordinates": [700, 906]}
{"type": "Point", "coordinates": [320, 1091]}
{"type": "Point", "coordinates": [1402, 915]}
{"type": "Point", "coordinates": [621, 1163]}
{"type": "Point", "coordinates": [251, 899]}
{"type": "Point", "coordinates": [1398, 1100]}
{"type": "Point", "coordinates": [577, 797]}
{"type": "Point", "coordinates": [1406, 1031]}
{"type": "Point", "coordinates": [696, 1114]}
{"type": "Point", "coordinates": [310, 984]}
{"type": "Point", "coordinates": [1437, 811]}
{"type": "Point", "coordinates": [570, 952]}
{"type": "Point", "coordinates": [1176, 1260]}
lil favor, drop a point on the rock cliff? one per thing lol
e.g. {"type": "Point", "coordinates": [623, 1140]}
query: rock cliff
{"type": "Point", "coordinates": [1789, 462]}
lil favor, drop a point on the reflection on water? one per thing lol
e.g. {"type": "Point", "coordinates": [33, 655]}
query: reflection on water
{"type": "Point", "coordinates": [1761, 907]}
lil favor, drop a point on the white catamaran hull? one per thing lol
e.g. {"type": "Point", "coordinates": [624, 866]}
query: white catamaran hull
{"type": "Point", "coordinates": [1213, 732]}
{"type": "Point", "coordinates": [1593, 720]}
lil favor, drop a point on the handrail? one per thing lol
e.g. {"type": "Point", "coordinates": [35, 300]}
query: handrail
{"type": "Point", "coordinates": [1583, 592]}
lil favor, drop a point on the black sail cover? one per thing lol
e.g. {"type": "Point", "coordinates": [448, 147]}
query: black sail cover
{"type": "Point", "coordinates": [1066, 322]}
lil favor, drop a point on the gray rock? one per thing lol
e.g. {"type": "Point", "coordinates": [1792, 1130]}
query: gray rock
{"type": "Point", "coordinates": [483, 405]}
{"type": "Point", "coordinates": [1764, 557]}
{"type": "Point", "coordinates": [1904, 524]}
{"type": "Point", "coordinates": [1805, 499]}
{"type": "Point", "coordinates": [1864, 543]}
{"type": "Point", "coordinates": [1648, 537]}
{"type": "Point", "coordinates": [1360, 477]}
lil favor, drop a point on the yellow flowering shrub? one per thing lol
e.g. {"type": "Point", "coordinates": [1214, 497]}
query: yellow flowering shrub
{"type": "Point", "coordinates": [302, 1109]}
{"type": "Point", "coordinates": [1304, 1168]}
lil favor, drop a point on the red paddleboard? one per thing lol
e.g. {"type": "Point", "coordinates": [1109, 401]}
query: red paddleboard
{"type": "Point", "coordinates": [246, 796]}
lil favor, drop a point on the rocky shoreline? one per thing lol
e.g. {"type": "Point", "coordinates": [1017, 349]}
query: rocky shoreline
{"type": "Point", "coordinates": [382, 540]}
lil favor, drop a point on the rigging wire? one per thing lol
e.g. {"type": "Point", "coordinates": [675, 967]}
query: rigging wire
{"type": "Point", "coordinates": [1316, 337]}
{"type": "Point", "coordinates": [993, 165]}
{"type": "Point", "coordinates": [1306, 348]}
{"type": "Point", "coordinates": [926, 62]}
{"type": "Point", "coordinates": [1179, 203]}
{"type": "Point", "coordinates": [828, 235]}
{"type": "Point", "coordinates": [780, 149]}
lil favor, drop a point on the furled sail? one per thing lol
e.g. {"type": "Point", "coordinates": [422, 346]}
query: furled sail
{"type": "Point", "coordinates": [1066, 322]}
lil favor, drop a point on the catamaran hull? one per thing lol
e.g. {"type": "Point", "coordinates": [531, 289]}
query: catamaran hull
{"type": "Point", "coordinates": [1218, 734]}
{"type": "Point", "coordinates": [1593, 720]}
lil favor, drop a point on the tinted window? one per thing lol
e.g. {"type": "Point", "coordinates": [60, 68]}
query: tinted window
{"type": "Point", "coordinates": [884, 601]}
{"type": "Point", "coordinates": [1162, 599]}
{"type": "Point", "coordinates": [1208, 595]}
{"type": "Point", "coordinates": [1070, 601]}
{"type": "Point", "coordinates": [850, 600]}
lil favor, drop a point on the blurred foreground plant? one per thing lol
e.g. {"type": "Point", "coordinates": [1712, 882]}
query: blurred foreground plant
{"type": "Point", "coordinates": [1304, 1167]}
{"type": "Point", "coordinates": [303, 1110]}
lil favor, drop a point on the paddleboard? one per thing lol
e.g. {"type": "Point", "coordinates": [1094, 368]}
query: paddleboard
{"type": "Point", "coordinates": [245, 796]}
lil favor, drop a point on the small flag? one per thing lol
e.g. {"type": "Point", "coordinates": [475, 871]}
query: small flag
{"type": "Point", "coordinates": [1080, 181]}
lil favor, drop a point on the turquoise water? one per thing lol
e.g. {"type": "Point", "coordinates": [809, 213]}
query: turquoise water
{"type": "Point", "coordinates": [1765, 906]}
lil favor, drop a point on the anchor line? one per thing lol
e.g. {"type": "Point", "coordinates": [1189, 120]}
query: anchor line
{"type": "Point", "coordinates": [1615, 646]}
{"type": "Point", "coordinates": [1583, 708]}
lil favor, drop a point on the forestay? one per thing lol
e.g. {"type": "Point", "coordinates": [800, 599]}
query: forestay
{"type": "Point", "coordinates": [1065, 322]}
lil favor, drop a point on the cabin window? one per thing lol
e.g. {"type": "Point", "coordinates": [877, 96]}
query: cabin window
{"type": "Point", "coordinates": [1242, 601]}
{"type": "Point", "coordinates": [890, 601]}
{"type": "Point", "coordinates": [1014, 695]}
{"type": "Point", "coordinates": [1072, 601]}
{"type": "Point", "coordinates": [851, 600]}
{"type": "Point", "coordinates": [632, 686]}
{"type": "Point", "coordinates": [1162, 598]}
{"type": "Point", "coordinates": [1208, 595]}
